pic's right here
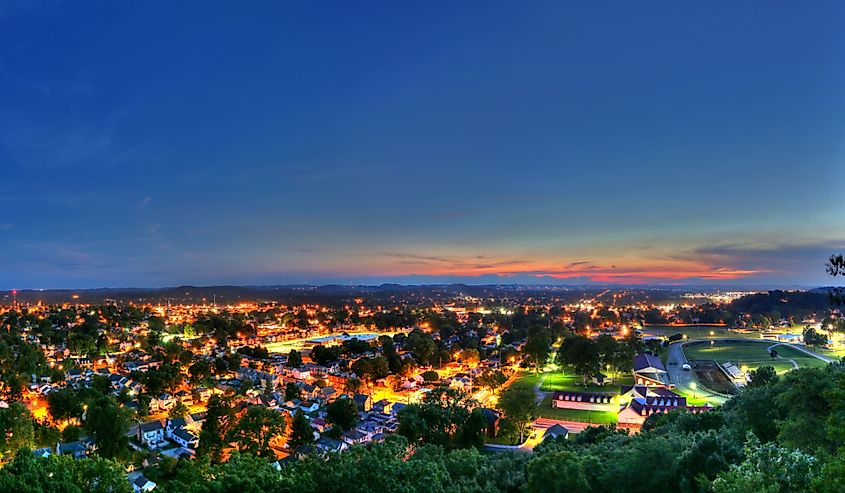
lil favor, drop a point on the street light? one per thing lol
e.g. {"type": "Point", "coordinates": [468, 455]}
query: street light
{"type": "Point", "coordinates": [693, 386]}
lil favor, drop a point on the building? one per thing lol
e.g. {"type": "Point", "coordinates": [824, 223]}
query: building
{"type": "Point", "coordinates": [555, 431]}
{"type": "Point", "coordinates": [635, 413]}
{"type": "Point", "coordinates": [649, 370]}
{"type": "Point", "coordinates": [152, 433]}
{"type": "Point", "coordinates": [142, 485]}
{"type": "Point", "coordinates": [592, 401]}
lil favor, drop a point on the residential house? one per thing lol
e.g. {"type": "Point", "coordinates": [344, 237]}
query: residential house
{"type": "Point", "coordinates": [363, 401]}
{"type": "Point", "coordinates": [555, 431]}
{"type": "Point", "coordinates": [152, 433]}
{"type": "Point", "coordinates": [331, 445]}
{"type": "Point", "coordinates": [142, 485]}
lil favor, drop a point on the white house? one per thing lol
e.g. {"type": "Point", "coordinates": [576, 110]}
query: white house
{"type": "Point", "coordinates": [142, 485]}
{"type": "Point", "coordinates": [151, 433]}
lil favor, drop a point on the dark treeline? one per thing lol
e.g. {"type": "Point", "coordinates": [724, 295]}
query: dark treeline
{"type": "Point", "coordinates": [781, 434]}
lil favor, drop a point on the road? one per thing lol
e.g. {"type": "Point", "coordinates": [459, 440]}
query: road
{"type": "Point", "coordinates": [538, 428]}
{"type": "Point", "coordinates": [683, 379]}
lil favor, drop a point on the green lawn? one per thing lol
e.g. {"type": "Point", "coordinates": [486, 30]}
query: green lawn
{"type": "Point", "coordinates": [582, 416]}
{"type": "Point", "coordinates": [568, 380]}
{"type": "Point", "coordinates": [749, 354]}
{"type": "Point", "coordinates": [500, 440]}
{"type": "Point", "coordinates": [527, 379]}
{"type": "Point", "coordinates": [803, 359]}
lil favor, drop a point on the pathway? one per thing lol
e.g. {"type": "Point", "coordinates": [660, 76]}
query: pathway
{"type": "Point", "coordinates": [804, 350]}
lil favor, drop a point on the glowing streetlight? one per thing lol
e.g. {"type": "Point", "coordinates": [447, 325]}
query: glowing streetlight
{"type": "Point", "coordinates": [693, 386]}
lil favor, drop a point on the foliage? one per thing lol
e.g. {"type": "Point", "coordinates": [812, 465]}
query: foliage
{"type": "Point", "coordinates": [256, 428]}
{"type": "Point", "coordinates": [520, 407]}
{"type": "Point", "coordinates": [446, 417]}
{"type": "Point", "coordinates": [108, 422]}
{"type": "Point", "coordinates": [342, 412]}
{"type": "Point", "coordinates": [62, 474]}
{"type": "Point", "coordinates": [301, 431]}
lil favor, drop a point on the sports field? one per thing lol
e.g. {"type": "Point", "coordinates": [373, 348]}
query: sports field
{"type": "Point", "coordinates": [750, 355]}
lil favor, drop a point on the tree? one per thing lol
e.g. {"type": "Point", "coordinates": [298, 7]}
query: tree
{"type": "Point", "coordinates": [445, 417]}
{"type": "Point", "coordinates": [582, 354]}
{"type": "Point", "coordinates": [353, 385]}
{"type": "Point", "coordinates": [108, 423]}
{"type": "Point", "coordinates": [292, 391]}
{"type": "Point", "coordinates": [430, 376]}
{"type": "Point", "coordinates": [492, 379]}
{"type": "Point", "coordinates": [814, 338]}
{"type": "Point", "coordinates": [470, 357]}
{"type": "Point", "coordinates": [560, 471]}
{"type": "Point", "coordinates": [214, 429]}
{"type": "Point", "coordinates": [256, 429]}
{"type": "Point", "coordinates": [63, 474]}
{"type": "Point", "coordinates": [836, 267]}
{"type": "Point", "coordinates": [301, 431]}
{"type": "Point", "coordinates": [178, 411]}
{"type": "Point", "coordinates": [64, 404]}
{"type": "Point", "coordinates": [16, 427]}
{"type": "Point", "coordinates": [762, 376]}
{"type": "Point", "coordinates": [536, 350]}
{"type": "Point", "coordinates": [200, 371]}
{"type": "Point", "coordinates": [294, 359]}
{"type": "Point", "coordinates": [342, 412]}
{"type": "Point", "coordinates": [769, 469]}
{"type": "Point", "coordinates": [520, 406]}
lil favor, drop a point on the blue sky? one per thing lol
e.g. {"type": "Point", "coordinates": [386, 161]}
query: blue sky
{"type": "Point", "coordinates": [153, 144]}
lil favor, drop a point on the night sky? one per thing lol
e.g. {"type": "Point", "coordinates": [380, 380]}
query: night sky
{"type": "Point", "coordinates": [161, 143]}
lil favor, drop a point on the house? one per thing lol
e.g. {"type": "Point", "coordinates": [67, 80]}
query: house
{"type": "Point", "coordinates": [166, 402]}
{"type": "Point", "coordinates": [141, 484]}
{"type": "Point", "coordinates": [185, 397]}
{"type": "Point", "coordinates": [304, 451]}
{"type": "Point", "coordinates": [328, 393]}
{"type": "Point", "coordinates": [555, 431]}
{"type": "Point", "coordinates": [78, 449]}
{"type": "Point", "coordinates": [354, 437]}
{"type": "Point", "coordinates": [309, 406]}
{"type": "Point", "coordinates": [382, 406]}
{"type": "Point", "coordinates": [201, 394]}
{"type": "Point", "coordinates": [331, 445]}
{"type": "Point", "coordinates": [42, 453]}
{"type": "Point", "coordinates": [649, 370]}
{"type": "Point", "coordinates": [318, 424]}
{"type": "Point", "coordinates": [394, 410]}
{"type": "Point", "coordinates": [152, 433]}
{"type": "Point", "coordinates": [185, 438]}
{"type": "Point", "coordinates": [363, 401]}
{"type": "Point", "coordinates": [592, 401]}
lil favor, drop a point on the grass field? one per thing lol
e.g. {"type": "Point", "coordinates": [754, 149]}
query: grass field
{"type": "Point", "coordinates": [568, 380]}
{"type": "Point", "coordinates": [749, 354]}
{"type": "Point", "coordinates": [527, 379]}
{"type": "Point", "coordinates": [803, 359]}
{"type": "Point", "coordinates": [582, 416]}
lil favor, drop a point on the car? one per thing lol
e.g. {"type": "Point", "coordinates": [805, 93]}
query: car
{"type": "Point", "coordinates": [686, 366]}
